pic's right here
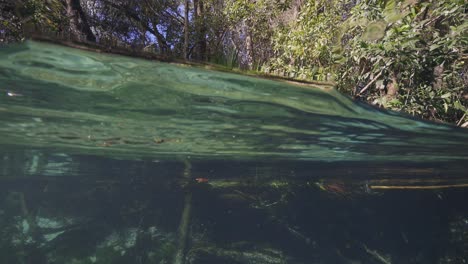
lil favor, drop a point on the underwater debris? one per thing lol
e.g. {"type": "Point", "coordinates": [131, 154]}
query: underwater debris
{"type": "Point", "coordinates": [258, 255]}
{"type": "Point", "coordinates": [294, 232]}
{"type": "Point", "coordinates": [201, 180]}
{"type": "Point", "coordinates": [12, 94]}
{"type": "Point", "coordinates": [337, 188]}
{"type": "Point", "coordinates": [378, 256]}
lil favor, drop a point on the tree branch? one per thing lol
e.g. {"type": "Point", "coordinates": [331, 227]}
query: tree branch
{"type": "Point", "coordinates": [370, 83]}
{"type": "Point", "coordinates": [127, 10]}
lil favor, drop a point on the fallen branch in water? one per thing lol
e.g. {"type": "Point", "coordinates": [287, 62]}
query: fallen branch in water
{"type": "Point", "coordinates": [182, 232]}
{"type": "Point", "coordinates": [417, 187]}
{"type": "Point", "coordinates": [378, 256]}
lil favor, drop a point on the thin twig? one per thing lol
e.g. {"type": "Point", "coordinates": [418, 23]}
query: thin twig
{"type": "Point", "coordinates": [370, 83]}
{"type": "Point", "coordinates": [431, 20]}
{"type": "Point", "coordinates": [378, 256]}
{"type": "Point", "coordinates": [461, 120]}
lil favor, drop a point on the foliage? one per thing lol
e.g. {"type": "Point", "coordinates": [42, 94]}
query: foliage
{"type": "Point", "coordinates": [18, 17]}
{"type": "Point", "coordinates": [138, 24]}
{"type": "Point", "coordinates": [304, 47]}
{"type": "Point", "coordinates": [252, 25]}
{"type": "Point", "coordinates": [409, 56]}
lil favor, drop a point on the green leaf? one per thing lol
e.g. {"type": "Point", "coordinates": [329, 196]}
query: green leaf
{"type": "Point", "coordinates": [446, 95]}
{"type": "Point", "coordinates": [433, 47]}
{"type": "Point", "coordinates": [457, 105]}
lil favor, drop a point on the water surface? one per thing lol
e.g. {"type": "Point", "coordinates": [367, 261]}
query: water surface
{"type": "Point", "coordinates": [112, 159]}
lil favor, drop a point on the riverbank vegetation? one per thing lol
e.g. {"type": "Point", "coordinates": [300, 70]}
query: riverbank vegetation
{"type": "Point", "coordinates": [405, 55]}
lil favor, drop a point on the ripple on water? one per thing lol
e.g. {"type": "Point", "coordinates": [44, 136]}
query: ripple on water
{"type": "Point", "coordinates": [60, 66]}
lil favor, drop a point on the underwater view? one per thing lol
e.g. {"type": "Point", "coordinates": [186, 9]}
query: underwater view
{"type": "Point", "coordinates": [117, 160]}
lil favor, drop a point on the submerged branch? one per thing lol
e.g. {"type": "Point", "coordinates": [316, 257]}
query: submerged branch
{"type": "Point", "coordinates": [184, 220]}
{"type": "Point", "coordinates": [417, 187]}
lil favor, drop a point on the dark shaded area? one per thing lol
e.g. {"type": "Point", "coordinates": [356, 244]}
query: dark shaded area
{"type": "Point", "coordinates": [245, 212]}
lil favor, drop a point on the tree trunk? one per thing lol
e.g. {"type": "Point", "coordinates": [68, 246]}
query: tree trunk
{"type": "Point", "coordinates": [438, 73]}
{"type": "Point", "coordinates": [79, 27]}
{"type": "Point", "coordinates": [249, 49]}
{"type": "Point", "coordinates": [202, 36]}
{"type": "Point", "coordinates": [392, 87]}
{"type": "Point", "coordinates": [200, 29]}
{"type": "Point", "coordinates": [186, 29]}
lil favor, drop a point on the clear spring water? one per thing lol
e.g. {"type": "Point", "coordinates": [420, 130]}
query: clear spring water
{"type": "Point", "coordinates": [111, 159]}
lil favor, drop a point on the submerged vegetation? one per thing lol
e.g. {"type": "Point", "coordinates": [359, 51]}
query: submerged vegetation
{"type": "Point", "coordinates": [258, 213]}
{"type": "Point", "coordinates": [406, 55]}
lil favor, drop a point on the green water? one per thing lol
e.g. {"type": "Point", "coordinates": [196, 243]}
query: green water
{"type": "Point", "coordinates": [103, 158]}
{"type": "Point", "coordinates": [96, 103]}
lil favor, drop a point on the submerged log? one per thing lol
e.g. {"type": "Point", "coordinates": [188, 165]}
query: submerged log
{"type": "Point", "coordinates": [184, 219]}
